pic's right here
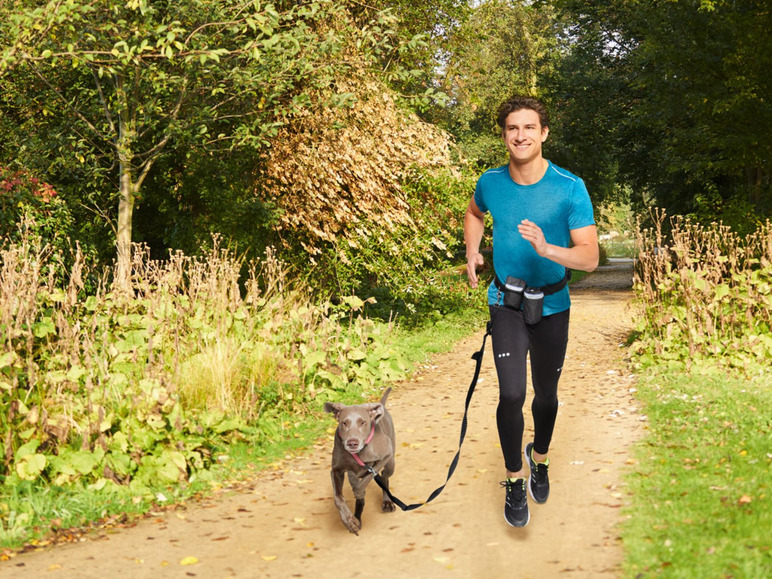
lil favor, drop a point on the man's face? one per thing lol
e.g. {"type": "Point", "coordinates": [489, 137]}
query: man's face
{"type": "Point", "coordinates": [523, 135]}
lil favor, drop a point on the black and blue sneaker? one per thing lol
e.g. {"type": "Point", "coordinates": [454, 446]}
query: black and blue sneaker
{"type": "Point", "coordinates": [539, 481]}
{"type": "Point", "coordinates": [516, 506]}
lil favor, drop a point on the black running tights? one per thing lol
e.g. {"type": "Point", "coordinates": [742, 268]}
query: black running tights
{"type": "Point", "coordinates": [512, 340]}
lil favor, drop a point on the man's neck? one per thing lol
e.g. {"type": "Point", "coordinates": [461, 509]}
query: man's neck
{"type": "Point", "coordinates": [528, 173]}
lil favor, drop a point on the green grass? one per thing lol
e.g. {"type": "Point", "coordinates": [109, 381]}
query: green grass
{"type": "Point", "coordinates": [700, 487]}
{"type": "Point", "coordinates": [37, 514]}
{"type": "Point", "coordinates": [621, 248]}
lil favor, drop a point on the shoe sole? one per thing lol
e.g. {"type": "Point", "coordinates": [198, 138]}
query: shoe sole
{"type": "Point", "coordinates": [517, 526]}
{"type": "Point", "coordinates": [530, 468]}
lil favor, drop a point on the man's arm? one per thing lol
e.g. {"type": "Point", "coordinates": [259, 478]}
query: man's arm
{"type": "Point", "coordinates": [474, 227]}
{"type": "Point", "coordinates": [583, 255]}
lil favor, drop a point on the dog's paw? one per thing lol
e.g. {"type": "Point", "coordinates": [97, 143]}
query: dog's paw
{"type": "Point", "coordinates": [388, 506]}
{"type": "Point", "coordinates": [353, 525]}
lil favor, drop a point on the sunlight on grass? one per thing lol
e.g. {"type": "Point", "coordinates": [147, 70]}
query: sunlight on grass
{"type": "Point", "coordinates": [700, 489]}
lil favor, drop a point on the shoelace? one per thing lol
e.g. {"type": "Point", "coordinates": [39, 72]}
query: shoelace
{"type": "Point", "coordinates": [515, 491]}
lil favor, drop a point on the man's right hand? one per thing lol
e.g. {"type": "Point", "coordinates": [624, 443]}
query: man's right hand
{"type": "Point", "coordinates": [474, 261]}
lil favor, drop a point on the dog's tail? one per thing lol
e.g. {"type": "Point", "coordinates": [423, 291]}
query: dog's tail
{"type": "Point", "coordinates": [385, 396]}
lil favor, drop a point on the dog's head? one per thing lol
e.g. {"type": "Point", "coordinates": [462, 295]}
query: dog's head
{"type": "Point", "coordinates": [355, 423]}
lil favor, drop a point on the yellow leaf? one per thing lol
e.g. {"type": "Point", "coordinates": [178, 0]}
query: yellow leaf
{"type": "Point", "coordinates": [269, 557]}
{"type": "Point", "coordinates": [744, 500]}
{"type": "Point", "coordinates": [189, 561]}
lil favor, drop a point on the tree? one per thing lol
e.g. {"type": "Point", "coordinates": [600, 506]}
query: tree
{"type": "Point", "coordinates": [504, 47]}
{"type": "Point", "coordinates": [123, 80]}
{"type": "Point", "coordinates": [682, 97]}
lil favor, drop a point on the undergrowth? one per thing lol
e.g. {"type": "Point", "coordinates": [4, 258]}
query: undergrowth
{"type": "Point", "coordinates": [118, 403]}
{"type": "Point", "coordinates": [700, 504]}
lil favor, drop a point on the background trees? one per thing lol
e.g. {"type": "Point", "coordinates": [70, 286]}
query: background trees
{"type": "Point", "coordinates": [122, 84]}
{"type": "Point", "coordinates": [304, 124]}
{"type": "Point", "coordinates": [672, 98]}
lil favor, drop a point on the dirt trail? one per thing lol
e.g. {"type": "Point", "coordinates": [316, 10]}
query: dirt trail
{"type": "Point", "coordinates": [285, 525]}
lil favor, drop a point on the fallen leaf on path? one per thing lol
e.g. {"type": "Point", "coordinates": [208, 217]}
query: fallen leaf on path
{"type": "Point", "coordinates": [189, 561]}
{"type": "Point", "coordinates": [268, 557]}
{"type": "Point", "coordinates": [54, 567]}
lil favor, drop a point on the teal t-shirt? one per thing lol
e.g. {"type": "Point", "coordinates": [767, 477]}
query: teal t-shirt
{"type": "Point", "coordinates": [558, 203]}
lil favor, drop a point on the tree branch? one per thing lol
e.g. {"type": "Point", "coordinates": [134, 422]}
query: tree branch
{"type": "Point", "coordinates": [80, 115]}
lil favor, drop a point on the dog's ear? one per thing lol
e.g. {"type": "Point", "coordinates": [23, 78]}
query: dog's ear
{"type": "Point", "coordinates": [376, 411]}
{"type": "Point", "coordinates": [333, 408]}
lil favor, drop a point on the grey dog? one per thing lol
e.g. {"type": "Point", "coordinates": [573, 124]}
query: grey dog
{"type": "Point", "coordinates": [364, 438]}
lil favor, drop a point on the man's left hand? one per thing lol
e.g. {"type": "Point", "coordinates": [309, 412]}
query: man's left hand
{"type": "Point", "coordinates": [533, 234]}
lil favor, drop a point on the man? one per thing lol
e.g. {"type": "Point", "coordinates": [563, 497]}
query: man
{"type": "Point", "coordinates": [543, 225]}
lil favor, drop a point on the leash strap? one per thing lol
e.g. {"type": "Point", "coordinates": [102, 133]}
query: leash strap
{"type": "Point", "coordinates": [477, 357]}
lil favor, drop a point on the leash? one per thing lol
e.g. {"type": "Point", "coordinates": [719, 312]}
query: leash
{"type": "Point", "coordinates": [477, 357]}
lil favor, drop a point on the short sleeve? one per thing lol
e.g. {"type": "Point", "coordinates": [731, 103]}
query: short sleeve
{"type": "Point", "coordinates": [581, 214]}
{"type": "Point", "coordinates": [479, 198]}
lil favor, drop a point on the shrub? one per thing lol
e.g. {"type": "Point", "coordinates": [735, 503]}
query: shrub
{"type": "Point", "coordinates": [23, 196]}
{"type": "Point", "coordinates": [704, 292]}
{"type": "Point", "coordinates": [140, 389]}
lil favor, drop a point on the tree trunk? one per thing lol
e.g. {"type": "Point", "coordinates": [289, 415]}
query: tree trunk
{"type": "Point", "coordinates": [126, 193]}
{"type": "Point", "coordinates": [122, 281]}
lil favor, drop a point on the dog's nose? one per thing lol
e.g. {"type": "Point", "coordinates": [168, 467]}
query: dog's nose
{"type": "Point", "coordinates": [352, 444]}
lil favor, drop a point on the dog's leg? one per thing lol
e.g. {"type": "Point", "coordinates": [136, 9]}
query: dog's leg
{"type": "Point", "coordinates": [387, 506]}
{"type": "Point", "coordinates": [351, 522]}
{"type": "Point", "coordinates": [359, 485]}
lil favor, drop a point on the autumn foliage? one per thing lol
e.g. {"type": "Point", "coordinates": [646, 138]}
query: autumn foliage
{"type": "Point", "coordinates": [338, 173]}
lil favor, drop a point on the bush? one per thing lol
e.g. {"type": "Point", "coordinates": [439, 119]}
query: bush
{"type": "Point", "coordinates": [704, 293]}
{"type": "Point", "coordinates": [25, 197]}
{"type": "Point", "coordinates": [139, 390]}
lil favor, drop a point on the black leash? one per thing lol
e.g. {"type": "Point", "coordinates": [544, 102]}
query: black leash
{"type": "Point", "coordinates": [477, 357]}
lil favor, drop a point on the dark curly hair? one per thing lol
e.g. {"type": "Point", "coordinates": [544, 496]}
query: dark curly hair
{"type": "Point", "coordinates": [519, 102]}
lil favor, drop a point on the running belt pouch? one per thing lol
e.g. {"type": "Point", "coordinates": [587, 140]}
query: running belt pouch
{"type": "Point", "coordinates": [513, 294]}
{"type": "Point", "coordinates": [533, 300]}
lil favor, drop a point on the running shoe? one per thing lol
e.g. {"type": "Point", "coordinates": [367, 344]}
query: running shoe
{"type": "Point", "coordinates": [539, 481]}
{"type": "Point", "coordinates": [516, 506]}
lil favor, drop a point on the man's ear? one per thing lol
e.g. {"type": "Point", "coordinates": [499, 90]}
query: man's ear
{"type": "Point", "coordinates": [545, 133]}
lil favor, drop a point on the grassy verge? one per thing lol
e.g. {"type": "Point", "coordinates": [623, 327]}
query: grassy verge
{"type": "Point", "coordinates": [701, 484]}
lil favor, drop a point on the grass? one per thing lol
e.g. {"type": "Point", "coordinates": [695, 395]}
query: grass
{"type": "Point", "coordinates": [700, 488]}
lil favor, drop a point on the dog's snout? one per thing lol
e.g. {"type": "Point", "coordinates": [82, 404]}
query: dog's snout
{"type": "Point", "coordinates": [353, 444]}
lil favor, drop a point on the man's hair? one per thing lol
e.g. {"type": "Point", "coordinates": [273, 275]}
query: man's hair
{"type": "Point", "coordinates": [519, 102]}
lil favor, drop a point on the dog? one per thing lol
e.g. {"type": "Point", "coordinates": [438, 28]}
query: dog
{"type": "Point", "coordinates": [364, 438]}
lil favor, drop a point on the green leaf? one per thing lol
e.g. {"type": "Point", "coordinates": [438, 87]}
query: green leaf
{"type": "Point", "coordinates": [30, 466]}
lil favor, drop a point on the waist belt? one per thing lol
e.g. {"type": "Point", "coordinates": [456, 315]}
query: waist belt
{"type": "Point", "coordinates": [547, 290]}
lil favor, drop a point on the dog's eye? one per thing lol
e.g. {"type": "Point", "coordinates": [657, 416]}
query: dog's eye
{"type": "Point", "coordinates": [346, 422]}
{"type": "Point", "coordinates": [361, 422]}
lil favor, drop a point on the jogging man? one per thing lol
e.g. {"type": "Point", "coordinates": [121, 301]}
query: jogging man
{"type": "Point", "coordinates": [543, 225]}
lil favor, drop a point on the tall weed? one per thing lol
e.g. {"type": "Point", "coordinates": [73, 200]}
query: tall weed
{"type": "Point", "coordinates": [704, 293]}
{"type": "Point", "coordinates": [139, 390]}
